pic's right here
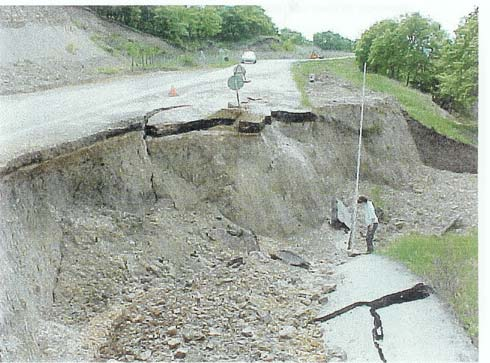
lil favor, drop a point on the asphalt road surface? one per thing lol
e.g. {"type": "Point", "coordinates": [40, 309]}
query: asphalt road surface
{"type": "Point", "coordinates": [417, 331]}
{"type": "Point", "coordinates": [36, 121]}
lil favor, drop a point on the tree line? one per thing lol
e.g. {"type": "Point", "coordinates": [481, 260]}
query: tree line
{"type": "Point", "coordinates": [188, 25]}
{"type": "Point", "coordinates": [332, 41]}
{"type": "Point", "coordinates": [415, 50]}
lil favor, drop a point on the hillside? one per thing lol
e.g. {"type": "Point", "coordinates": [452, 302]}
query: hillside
{"type": "Point", "coordinates": [51, 46]}
{"type": "Point", "coordinates": [45, 47]}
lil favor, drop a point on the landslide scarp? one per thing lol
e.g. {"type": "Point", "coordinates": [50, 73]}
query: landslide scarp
{"type": "Point", "coordinates": [84, 232]}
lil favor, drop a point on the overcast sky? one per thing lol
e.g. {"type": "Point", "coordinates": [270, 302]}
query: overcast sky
{"type": "Point", "coordinates": [351, 17]}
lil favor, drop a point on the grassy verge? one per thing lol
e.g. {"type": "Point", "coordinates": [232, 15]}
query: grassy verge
{"type": "Point", "coordinates": [417, 104]}
{"type": "Point", "coordinates": [109, 70]}
{"type": "Point", "coordinates": [141, 56]}
{"type": "Point", "coordinates": [450, 264]}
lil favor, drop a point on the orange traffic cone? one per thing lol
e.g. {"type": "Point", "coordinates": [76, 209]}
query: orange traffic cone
{"type": "Point", "coordinates": [172, 92]}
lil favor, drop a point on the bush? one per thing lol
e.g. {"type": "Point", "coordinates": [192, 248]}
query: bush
{"type": "Point", "coordinates": [188, 60]}
{"type": "Point", "coordinates": [71, 48]}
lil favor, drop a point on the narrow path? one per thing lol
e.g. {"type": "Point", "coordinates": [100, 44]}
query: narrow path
{"type": "Point", "coordinates": [418, 331]}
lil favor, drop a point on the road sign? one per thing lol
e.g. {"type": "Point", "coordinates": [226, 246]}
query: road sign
{"type": "Point", "coordinates": [239, 69]}
{"type": "Point", "coordinates": [235, 82]}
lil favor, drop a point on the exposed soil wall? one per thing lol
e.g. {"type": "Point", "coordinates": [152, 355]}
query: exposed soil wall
{"type": "Point", "coordinates": [33, 203]}
{"type": "Point", "coordinates": [440, 152]}
{"type": "Point", "coordinates": [275, 183]}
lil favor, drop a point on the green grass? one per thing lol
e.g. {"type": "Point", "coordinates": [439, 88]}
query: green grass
{"type": "Point", "coordinates": [300, 71]}
{"type": "Point", "coordinates": [71, 48]}
{"type": "Point", "coordinates": [376, 195]}
{"type": "Point", "coordinates": [417, 104]}
{"type": "Point", "coordinates": [108, 70]}
{"type": "Point", "coordinates": [450, 265]}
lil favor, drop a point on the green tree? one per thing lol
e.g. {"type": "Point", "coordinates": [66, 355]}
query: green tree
{"type": "Point", "coordinates": [147, 14]}
{"type": "Point", "coordinates": [377, 47]}
{"type": "Point", "coordinates": [363, 45]}
{"type": "Point", "coordinates": [294, 37]}
{"type": "Point", "coordinates": [204, 22]}
{"type": "Point", "coordinates": [332, 41]}
{"type": "Point", "coordinates": [184, 25]}
{"type": "Point", "coordinates": [422, 40]}
{"type": "Point", "coordinates": [171, 23]}
{"type": "Point", "coordinates": [244, 22]}
{"type": "Point", "coordinates": [404, 49]}
{"type": "Point", "coordinates": [458, 67]}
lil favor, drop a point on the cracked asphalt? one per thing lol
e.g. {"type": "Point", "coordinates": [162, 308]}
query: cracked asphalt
{"type": "Point", "coordinates": [417, 331]}
{"type": "Point", "coordinates": [36, 121]}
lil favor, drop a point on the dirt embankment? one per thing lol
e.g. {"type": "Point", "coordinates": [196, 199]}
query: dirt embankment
{"type": "Point", "coordinates": [441, 152]}
{"type": "Point", "coordinates": [51, 46]}
{"type": "Point", "coordinates": [119, 217]}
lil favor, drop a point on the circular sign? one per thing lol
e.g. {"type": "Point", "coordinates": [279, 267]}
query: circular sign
{"type": "Point", "coordinates": [235, 82]}
{"type": "Point", "coordinates": [239, 69]}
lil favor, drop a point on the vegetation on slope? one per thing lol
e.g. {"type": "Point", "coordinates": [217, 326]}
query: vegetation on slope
{"type": "Point", "coordinates": [417, 51]}
{"type": "Point", "coordinates": [191, 26]}
{"type": "Point", "coordinates": [418, 105]}
{"type": "Point", "coordinates": [450, 264]}
{"type": "Point", "coordinates": [332, 41]}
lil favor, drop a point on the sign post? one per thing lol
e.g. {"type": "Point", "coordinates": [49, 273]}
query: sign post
{"type": "Point", "coordinates": [240, 70]}
{"type": "Point", "coordinates": [235, 82]}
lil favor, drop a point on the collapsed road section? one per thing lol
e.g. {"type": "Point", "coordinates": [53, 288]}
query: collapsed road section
{"type": "Point", "coordinates": [105, 238]}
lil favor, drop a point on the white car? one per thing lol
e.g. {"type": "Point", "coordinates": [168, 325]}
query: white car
{"type": "Point", "coordinates": [249, 57]}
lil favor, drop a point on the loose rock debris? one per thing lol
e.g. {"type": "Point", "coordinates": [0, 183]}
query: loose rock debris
{"type": "Point", "coordinates": [218, 303]}
{"type": "Point", "coordinates": [291, 258]}
{"type": "Point", "coordinates": [234, 312]}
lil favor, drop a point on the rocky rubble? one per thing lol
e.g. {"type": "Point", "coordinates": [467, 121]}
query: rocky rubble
{"type": "Point", "coordinates": [217, 302]}
{"type": "Point", "coordinates": [257, 311]}
{"type": "Point", "coordinates": [192, 285]}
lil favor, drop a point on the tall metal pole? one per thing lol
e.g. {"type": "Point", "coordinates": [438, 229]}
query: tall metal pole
{"type": "Point", "coordinates": [356, 193]}
{"type": "Point", "coordinates": [237, 96]}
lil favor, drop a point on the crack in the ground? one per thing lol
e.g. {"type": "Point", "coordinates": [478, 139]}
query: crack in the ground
{"type": "Point", "coordinates": [141, 124]}
{"type": "Point", "coordinates": [153, 187]}
{"type": "Point", "coordinates": [181, 128]}
{"type": "Point", "coordinates": [377, 336]}
{"type": "Point", "coordinates": [417, 292]}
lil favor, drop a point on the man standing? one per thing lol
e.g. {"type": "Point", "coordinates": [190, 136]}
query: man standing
{"type": "Point", "coordinates": [371, 221]}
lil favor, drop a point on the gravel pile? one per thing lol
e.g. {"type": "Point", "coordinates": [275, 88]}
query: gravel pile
{"type": "Point", "coordinates": [121, 295]}
{"type": "Point", "coordinates": [242, 309]}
